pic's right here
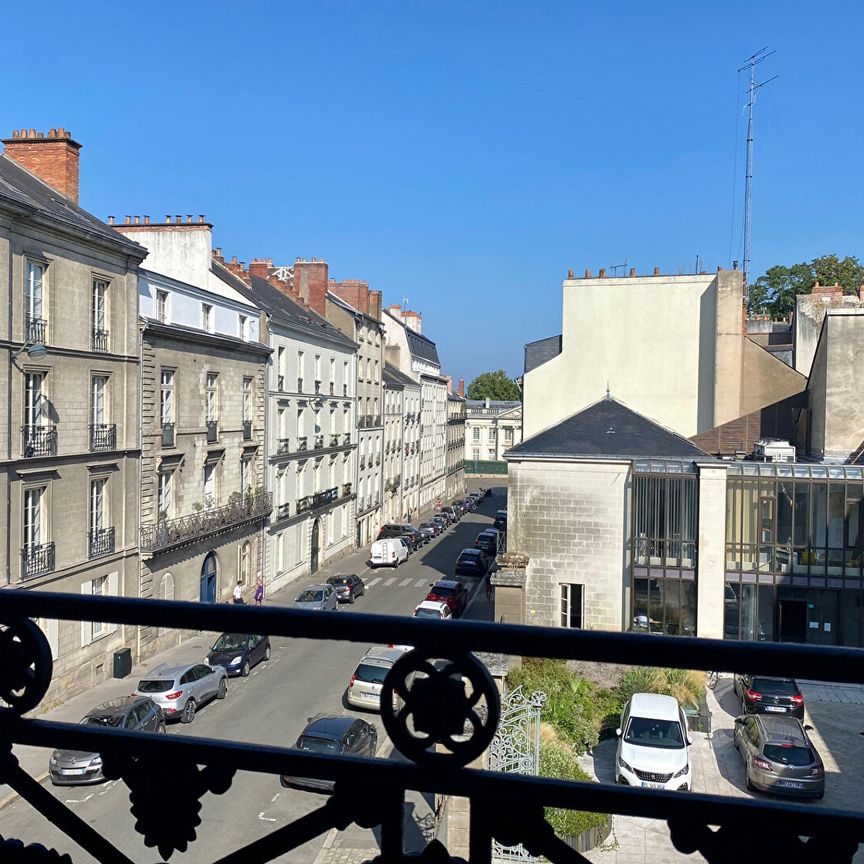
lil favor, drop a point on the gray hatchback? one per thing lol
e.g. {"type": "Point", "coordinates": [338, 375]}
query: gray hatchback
{"type": "Point", "coordinates": [179, 690]}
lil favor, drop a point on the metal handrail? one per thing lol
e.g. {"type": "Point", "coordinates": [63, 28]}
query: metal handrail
{"type": "Point", "coordinates": [39, 440]}
{"type": "Point", "coordinates": [100, 541]}
{"type": "Point", "coordinates": [103, 436]}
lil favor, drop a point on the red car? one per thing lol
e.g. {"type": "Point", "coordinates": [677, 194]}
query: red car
{"type": "Point", "coordinates": [451, 592]}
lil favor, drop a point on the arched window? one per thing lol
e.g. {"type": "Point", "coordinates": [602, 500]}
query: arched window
{"type": "Point", "coordinates": [166, 587]}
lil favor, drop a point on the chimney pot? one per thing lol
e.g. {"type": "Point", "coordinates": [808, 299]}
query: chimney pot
{"type": "Point", "coordinates": [656, 271]}
{"type": "Point", "coordinates": [178, 219]}
{"type": "Point", "coordinates": [32, 133]}
{"type": "Point", "coordinates": [587, 273]}
{"type": "Point", "coordinates": [110, 220]}
{"type": "Point", "coordinates": [167, 218]}
{"type": "Point", "coordinates": [632, 272]}
{"type": "Point", "coordinates": [719, 268]}
{"type": "Point", "coordinates": [200, 218]}
{"type": "Point", "coordinates": [128, 221]}
{"type": "Point", "coordinates": [146, 220]}
{"type": "Point", "coordinates": [570, 273]}
{"type": "Point", "coordinates": [188, 218]}
{"type": "Point", "coordinates": [602, 273]}
{"type": "Point", "coordinates": [137, 220]}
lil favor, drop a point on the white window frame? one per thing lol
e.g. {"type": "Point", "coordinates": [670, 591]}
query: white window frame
{"type": "Point", "coordinates": [34, 397]}
{"type": "Point", "coordinates": [210, 492]}
{"type": "Point", "coordinates": [34, 289]}
{"type": "Point", "coordinates": [211, 396]}
{"type": "Point", "coordinates": [247, 400]}
{"type": "Point", "coordinates": [98, 503]}
{"type": "Point", "coordinates": [101, 586]}
{"type": "Point", "coordinates": [243, 322]}
{"type": "Point", "coordinates": [167, 408]}
{"type": "Point", "coordinates": [99, 391]}
{"type": "Point", "coordinates": [99, 299]}
{"type": "Point", "coordinates": [570, 592]}
{"type": "Point", "coordinates": [35, 516]}
{"type": "Point", "coordinates": [163, 311]}
{"type": "Point", "coordinates": [165, 493]}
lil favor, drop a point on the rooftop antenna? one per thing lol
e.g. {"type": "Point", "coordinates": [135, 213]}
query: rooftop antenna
{"type": "Point", "coordinates": [404, 304]}
{"type": "Point", "coordinates": [751, 64]}
{"type": "Point", "coordinates": [616, 267]}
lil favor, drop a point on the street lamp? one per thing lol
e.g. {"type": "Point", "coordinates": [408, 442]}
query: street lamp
{"type": "Point", "coordinates": [33, 349]}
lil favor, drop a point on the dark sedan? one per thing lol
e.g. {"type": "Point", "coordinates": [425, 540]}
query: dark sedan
{"type": "Point", "coordinates": [472, 562]}
{"type": "Point", "coordinates": [237, 653]}
{"type": "Point", "coordinates": [762, 694]}
{"type": "Point", "coordinates": [348, 587]}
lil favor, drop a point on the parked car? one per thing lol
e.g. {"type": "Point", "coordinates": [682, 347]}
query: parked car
{"type": "Point", "coordinates": [238, 652]}
{"type": "Point", "coordinates": [500, 520]}
{"type": "Point", "coordinates": [441, 521]}
{"type": "Point", "coordinates": [134, 713]}
{"type": "Point", "coordinates": [429, 529]}
{"type": "Point", "coordinates": [460, 508]}
{"type": "Point", "coordinates": [364, 688]}
{"type": "Point", "coordinates": [433, 609]}
{"type": "Point", "coordinates": [451, 592]}
{"type": "Point", "coordinates": [470, 504]}
{"type": "Point", "coordinates": [318, 598]}
{"type": "Point", "coordinates": [472, 562]}
{"type": "Point", "coordinates": [487, 542]}
{"type": "Point", "coordinates": [652, 744]}
{"type": "Point", "coordinates": [388, 553]}
{"type": "Point", "coordinates": [417, 536]}
{"type": "Point", "coordinates": [180, 690]}
{"type": "Point", "coordinates": [449, 513]}
{"type": "Point", "coordinates": [348, 587]}
{"type": "Point", "coordinates": [778, 755]}
{"type": "Point", "coordinates": [334, 735]}
{"type": "Point", "coordinates": [762, 694]}
{"type": "Point", "coordinates": [394, 529]}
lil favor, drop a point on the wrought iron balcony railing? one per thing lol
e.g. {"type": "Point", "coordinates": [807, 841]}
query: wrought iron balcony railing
{"type": "Point", "coordinates": [38, 441]}
{"type": "Point", "coordinates": [346, 438]}
{"type": "Point", "coordinates": [283, 511]}
{"type": "Point", "coordinates": [166, 533]}
{"type": "Point", "coordinates": [283, 446]}
{"type": "Point", "coordinates": [99, 340]}
{"type": "Point", "coordinates": [437, 729]}
{"type": "Point", "coordinates": [280, 383]}
{"type": "Point", "coordinates": [319, 442]}
{"type": "Point", "coordinates": [334, 440]}
{"type": "Point", "coordinates": [302, 442]}
{"type": "Point", "coordinates": [37, 560]}
{"type": "Point", "coordinates": [103, 436]}
{"type": "Point", "coordinates": [212, 432]}
{"type": "Point", "coordinates": [100, 541]}
{"type": "Point", "coordinates": [247, 430]}
{"type": "Point", "coordinates": [346, 490]}
{"type": "Point", "coordinates": [167, 434]}
{"type": "Point", "coordinates": [36, 330]}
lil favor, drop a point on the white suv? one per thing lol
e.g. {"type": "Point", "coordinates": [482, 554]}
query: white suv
{"type": "Point", "coordinates": [652, 744]}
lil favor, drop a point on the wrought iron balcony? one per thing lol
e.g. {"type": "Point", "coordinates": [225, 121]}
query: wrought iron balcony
{"type": "Point", "coordinates": [346, 438]}
{"type": "Point", "coordinates": [283, 446]}
{"type": "Point", "coordinates": [103, 436]}
{"type": "Point", "coordinates": [346, 490]}
{"type": "Point", "coordinates": [212, 432]}
{"type": "Point", "coordinates": [37, 560]}
{"type": "Point", "coordinates": [167, 434]}
{"type": "Point", "coordinates": [332, 388]}
{"type": "Point", "coordinates": [319, 442]}
{"type": "Point", "coordinates": [283, 511]}
{"type": "Point", "coordinates": [166, 533]}
{"type": "Point", "coordinates": [302, 442]}
{"type": "Point", "coordinates": [317, 387]}
{"type": "Point", "coordinates": [36, 330]}
{"type": "Point", "coordinates": [299, 385]}
{"type": "Point", "coordinates": [439, 732]}
{"type": "Point", "coordinates": [39, 441]}
{"type": "Point", "coordinates": [100, 541]}
{"type": "Point", "coordinates": [247, 430]}
{"type": "Point", "coordinates": [99, 340]}
{"type": "Point", "coordinates": [280, 383]}
{"type": "Point", "coordinates": [334, 440]}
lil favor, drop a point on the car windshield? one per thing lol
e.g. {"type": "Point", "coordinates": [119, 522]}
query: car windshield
{"type": "Point", "coordinates": [155, 686]}
{"type": "Point", "coordinates": [443, 591]}
{"type": "Point", "coordinates": [371, 674]}
{"type": "Point", "coordinates": [318, 745]}
{"type": "Point", "coordinates": [102, 721]}
{"type": "Point", "coordinates": [427, 613]}
{"type": "Point", "coordinates": [338, 580]}
{"type": "Point", "coordinates": [774, 686]}
{"type": "Point", "coordinates": [310, 596]}
{"type": "Point", "coordinates": [426, 526]}
{"type": "Point", "coordinates": [654, 733]}
{"type": "Point", "coordinates": [230, 642]}
{"type": "Point", "coordinates": [468, 559]}
{"type": "Point", "coordinates": [789, 754]}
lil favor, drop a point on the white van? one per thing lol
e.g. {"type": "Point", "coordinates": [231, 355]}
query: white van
{"type": "Point", "coordinates": [388, 553]}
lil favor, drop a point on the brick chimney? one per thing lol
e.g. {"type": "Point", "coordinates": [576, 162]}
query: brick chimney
{"type": "Point", "coordinates": [310, 280]}
{"type": "Point", "coordinates": [413, 321]}
{"type": "Point", "coordinates": [355, 292]}
{"type": "Point", "coordinates": [375, 305]}
{"type": "Point", "coordinates": [261, 267]}
{"type": "Point", "coordinates": [462, 387]}
{"type": "Point", "coordinates": [52, 157]}
{"type": "Point", "coordinates": [449, 383]}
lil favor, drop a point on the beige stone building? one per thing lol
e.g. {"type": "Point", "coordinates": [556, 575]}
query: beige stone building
{"type": "Point", "coordinates": [69, 437]}
{"type": "Point", "coordinates": [401, 444]}
{"type": "Point", "coordinates": [492, 427]}
{"type": "Point", "coordinates": [455, 484]}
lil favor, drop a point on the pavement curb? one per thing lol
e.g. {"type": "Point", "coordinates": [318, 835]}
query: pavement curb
{"type": "Point", "coordinates": [14, 796]}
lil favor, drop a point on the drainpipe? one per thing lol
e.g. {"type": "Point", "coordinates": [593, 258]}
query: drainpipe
{"type": "Point", "coordinates": [9, 427]}
{"type": "Point", "coordinates": [142, 326]}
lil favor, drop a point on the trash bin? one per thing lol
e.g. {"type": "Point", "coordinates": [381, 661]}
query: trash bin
{"type": "Point", "coordinates": [122, 663]}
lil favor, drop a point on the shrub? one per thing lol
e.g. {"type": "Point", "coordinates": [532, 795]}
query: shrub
{"type": "Point", "coordinates": [687, 686]}
{"type": "Point", "coordinates": [557, 760]}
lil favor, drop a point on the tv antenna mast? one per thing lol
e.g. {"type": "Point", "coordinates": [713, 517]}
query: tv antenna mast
{"type": "Point", "coordinates": [751, 64]}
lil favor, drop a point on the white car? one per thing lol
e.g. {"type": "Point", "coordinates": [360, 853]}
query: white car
{"type": "Point", "coordinates": [652, 744]}
{"type": "Point", "coordinates": [390, 552]}
{"type": "Point", "coordinates": [433, 609]}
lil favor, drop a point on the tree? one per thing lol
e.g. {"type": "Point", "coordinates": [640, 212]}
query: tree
{"type": "Point", "coordinates": [494, 385]}
{"type": "Point", "coordinates": [774, 292]}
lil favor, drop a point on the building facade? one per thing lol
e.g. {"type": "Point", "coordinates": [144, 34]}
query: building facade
{"type": "Point", "coordinates": [455, 485]}
{"type": "Point", "coordinates": [394, 437]}
{"type": "Point", "coordinates": [69, 447]}
{"type": "Point", "coordinates": [492, 427]}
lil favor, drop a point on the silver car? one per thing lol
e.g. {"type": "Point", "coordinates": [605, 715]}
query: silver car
{"type": "Point", "coordinates": [317, 598]}
{"type": "Point", "coordinates": [179, 690]}
{"type": "Point", "coordinates": [364, 688]}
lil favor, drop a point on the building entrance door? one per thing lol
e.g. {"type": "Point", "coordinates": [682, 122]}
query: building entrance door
{"type": "Point", "coordinates": [313, 557]}
{"type": "Point", "coordinates": [793, 620]}
{"type": "Point", "coordinates": [207, 593]}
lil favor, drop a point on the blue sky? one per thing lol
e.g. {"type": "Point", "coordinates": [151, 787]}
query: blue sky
{"type": "Point", "coordinates": [460, 154]}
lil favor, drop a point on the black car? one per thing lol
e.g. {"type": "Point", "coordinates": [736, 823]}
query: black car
{"type": "Point", "coordinates": [420, 539]}
{"type": "Point", "coordinates": [334, 735]}
{"type": "Point", "coordinates": [238, 652]}
{"type": "Point", "coordinates": [440, 521]}
{"type": "Point", "coordinates": [762, 694]}
{"type": "Point", "coordinates": [472, 562]}
{"type": "Point", "coordinates": [405, 532]}
{"type": "Point", "coordinates": [487, 542]}
{"type": "Point", "coordinates": [501, 520]}
{"type": "Point", "coordinates": [347, 587]}
{"type": "Point", "coordinates": [134, 713]}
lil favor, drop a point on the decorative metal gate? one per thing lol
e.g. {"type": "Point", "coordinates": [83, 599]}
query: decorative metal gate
{"type": "Point", "coordinates": [516, 748]}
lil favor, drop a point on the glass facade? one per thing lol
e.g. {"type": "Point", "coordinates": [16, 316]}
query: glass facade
{"type": "Point", "coordinates": [794, 549]}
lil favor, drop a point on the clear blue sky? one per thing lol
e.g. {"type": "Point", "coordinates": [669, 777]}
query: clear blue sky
{"type": "Point", "coordinates": [460, 154]}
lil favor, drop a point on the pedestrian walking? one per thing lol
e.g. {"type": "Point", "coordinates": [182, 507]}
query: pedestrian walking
{"type": "Point", "coordinates": [259, 592]}
{"type": "Point", "coordinates": [238, 593]}
{"type": "Point", "coordinates": [490, 588]}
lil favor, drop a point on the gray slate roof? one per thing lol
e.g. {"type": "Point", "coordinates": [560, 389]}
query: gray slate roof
{"type": "Point", "coordinates": [419, 346]}
{"type": "Point", "coordinates": [539, 352]}
{"type": "Point", "coordinates": [23, 188]}
{"type": "Point", "coordinates": [606, 430]}
{"type": "Point", "coordinates": [394, 377]}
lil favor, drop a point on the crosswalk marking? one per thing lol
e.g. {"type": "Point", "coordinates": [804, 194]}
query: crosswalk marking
{"type": "Point", "coordinates": [373, 582]}
{"type": "Point", "coordinates": [421, 583]}
{"type": "Point", "coordinates": [405, 582]}
{"type": "Point", "coordinates": [389, 582]}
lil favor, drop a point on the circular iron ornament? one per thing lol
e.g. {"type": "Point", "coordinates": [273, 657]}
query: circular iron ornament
{"type": "Point", "coordinates": [25, 664]}
{"type": "Point", "coordinates": [423, 705]}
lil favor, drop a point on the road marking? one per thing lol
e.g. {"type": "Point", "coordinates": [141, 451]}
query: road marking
{"type": "Point", "coordinates": [405, 582]}
{"type": "Point", "coordinates": [79, 800]}
{"type": "Point", "coordinates": [275, 797]}
{"type": "Point", "coordinates": [389, 582]}
{"type": "Point", "coordinates": [372, 582]}
{"type": "Point", "coordinates": [264, 818]}
{"type": "Point", "coordinates": [421, 582]}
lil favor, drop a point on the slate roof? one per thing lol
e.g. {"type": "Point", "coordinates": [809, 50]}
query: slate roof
{"type": "Point", "coordinates": [20, 186]}
{"type": "Point", "coordinates": [539, 352]}
{"type": "Point", "coordinates": [607, 430]}
{"type": "Point", "coordinates": [394, 377]}
{"type": "Point", "coordinates": [420, 346]}
{"type": "Point", "coordinates": [282, 308]}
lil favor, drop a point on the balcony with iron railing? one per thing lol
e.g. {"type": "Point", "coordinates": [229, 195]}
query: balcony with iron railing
{"type": "Point", "coordinates": [318, 500]}
{"type": "Point", "coordinates": [39, 440]}
{"type": "Point", "coordinates": [283, 511]}
{"type": "Point", "coordinates": [99, 340]}
{"type": "Point", "coordinates": [212, 431]}
{"type": "Point", "coordinates": [346, 439]}
{"type": "Point", "coordinates": [319, 442]}
{"type": "Point", "coordinates": [35, 330]}
{"type": "Point", "coordinates": [346, 490]}
{"type": "Point", "coordinates": [283, 446]}
{"type": "Point", "coordinates": [445, 739]}
{"type": "Point", "coordinates": [167, 533]}
{"type": "Point", "coordinates": [302, 443]}
{"type": "Point", "coordinates": [37, 559]}
{"type": "Point", "coordinates": [100, 541]}
{"type": "Point", "coordinates": [167, 434]}
{"type": "Point", "coordinates": [334, 440]}
{"type": "Point", "coordinates": [103, 436]}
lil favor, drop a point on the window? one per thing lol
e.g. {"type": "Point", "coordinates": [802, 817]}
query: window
{"type": "Point", "coordinates": [210, 485]}
{"type": "Point", "coordinates": [245, 562]}
{"type": "Point", "coordinates": [165, 495]}
{"type": "Point", "coordinates": [476, 434]}
{"type": "Point", "coordinates": [299, 371]}
{"type": "Point", "coordinates": [102, 586]}
{"type": "Point", "coordinates": [244, 327]}
{"type": "Point", "coordinates": [34, 286]}
{"type": "Point", "coordinates": [492, 454]}
{"type": "Point", "coordinates": [207, 317]}
{"type": "Point", "coordinates": [377, 373]}
{"type": "Point", "coordinates": [162, 306]}
{"type": "Point", "coordinates": [317, 367]}
{"type": "Point", "coordinates": [34, 517]}
{"type": "Point", "coordinates": [98, 503]}
{"type": "Point", "coordinates": [508, 434]}
{"type": "Point", "coordinates": [345, 378]}
{"type": "Point", "coordinates": [210, 396]}
{"type": "Point", "coordinates": [475, 454]}
{"type": "Point", "coordinates": [245, 479]}
{"type": "Point", "coordinates": [34, 399]}
{"type": "Point", "coordinates": [247, 400]}
{"type": "Point", "coordinates": [280, 368]}
{"type": "Point", "coordinates": [100, 294]}
{"type": "Point", "coordinates": [493, 434]}
{"type": "Point", "coordinates": [279, 552]}
{"type": "Point", "coordinates": [332, 374]}
{"type": "Point", "coordinates": [98, 398]}
{"type": "Point", "coordinates": [166, 396]}
{"type": "Point", "coordinates": [571, 606]}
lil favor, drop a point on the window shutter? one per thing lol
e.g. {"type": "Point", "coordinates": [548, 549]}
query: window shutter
{"type": "Point", "coordinates": [86, 626]}
{"type": "Point", "coordinates": [113, 591]}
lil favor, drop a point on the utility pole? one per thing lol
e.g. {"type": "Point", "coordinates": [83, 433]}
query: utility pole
{"type": "Point", "coordinates": [751, 64]}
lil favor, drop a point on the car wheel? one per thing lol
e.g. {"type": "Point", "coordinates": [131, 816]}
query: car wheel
{"type": "Point", "coordinates": [222, 692]}
{"type": "Point", "coordinates": [188, 714]}
{"type": "Point", "coordinates": [266, 653]}
{"type": "Point", "coordinates": [245, 670]}
{"type": "Point", "coordinates": [160, 729]}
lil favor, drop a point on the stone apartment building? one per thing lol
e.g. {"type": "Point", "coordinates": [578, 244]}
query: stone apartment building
{"type": "Point", "coordinates": [203, 504]}
{"type": "Point", "coordinates": [401, 444]}
{"type": "Point", "coordinates": [312, 437]}
{"type": "Point", "coordinates": [455, 484]}
{"type": "Point", "coordinates": [492, 427]}
{"type": "Point", "coordinates": [69, 445]}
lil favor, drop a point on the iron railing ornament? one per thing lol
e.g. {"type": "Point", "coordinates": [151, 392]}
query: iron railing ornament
{"type": "Point", "coordinates": [25, 664]}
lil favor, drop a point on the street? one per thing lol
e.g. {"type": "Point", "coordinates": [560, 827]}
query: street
{"type": "Point", "coordinates": [271, 706]}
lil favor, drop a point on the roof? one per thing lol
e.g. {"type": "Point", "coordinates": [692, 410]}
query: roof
{"type": "Point", "coordinates": [166, 671]}
{"type": "Point", "coordinates": [608, 429]}
{"type": "Point", "coordinates": [781, 728]}
{"type": "Point", "coordinates": [283, 309]}
{"type": "Point", "coordinates": [395, 377]}
{"type": "Point", "coordinates": [498, 404]}
{"type": "Point", "coordinates": [328, 726]}
{"type": "Point", "coordinates": [436, 605]}
{"type": "Point", "coordinates": [539, 352]}
{"type": "Point", "coordinates": [455, 397]}
{"type": "Point", "coordinates": [653, 706]}
{"type": "Point", "coordinates": [24, 188]}
{"type": "Point", "coordinates": [115, 706]}
{"type": "Point", "coordinates": [335, 298]}
{"type": "Point", "coordinates": [418, 345]}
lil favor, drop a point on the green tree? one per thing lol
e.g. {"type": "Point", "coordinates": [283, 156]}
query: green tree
{"type": "Point", "coordinates": [494, 385]}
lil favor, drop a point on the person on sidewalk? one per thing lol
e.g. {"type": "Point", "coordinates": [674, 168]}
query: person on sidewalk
{"type": "Point", "coordinates": [238, 593]}
{"type": "Point", "coordinates": [259, 592]}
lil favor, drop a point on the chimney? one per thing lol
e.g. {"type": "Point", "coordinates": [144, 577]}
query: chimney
{"type": "Point", "coordinates": [261, 267]}
{"type": "Point", "coordinates": [570, 273]}
{"type": "Point", "coordinates": [396, 311]}
{"type": "Point", "coordinates": [53, 158]}
{"type": "Point", "coordinates": [310, 279]}
{"type": "Point", "coordinates": [449, 383]}
{"type": "Point", "coordinates": [656, 271]}
{"type": "Point", "coordinates": [602, 273]}
{"type": "Point", "coordinates": [375, 305]}
{"type": "Point", "coordinates": [632, 272]}
{"type": "Point", "coordinates": [462, 387]}
{"type": "Point", "coordinates": [587, 273]}
{"type": "Point", "coordinates": [413, 321]}
{"type": "Point", "coordinates": [488, 402]}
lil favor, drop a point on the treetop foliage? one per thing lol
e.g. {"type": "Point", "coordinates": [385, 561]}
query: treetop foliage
{"type": "Point", "coordinates": [494, 385]}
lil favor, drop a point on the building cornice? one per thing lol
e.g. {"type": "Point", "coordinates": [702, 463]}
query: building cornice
{"type": "Point", "coordinates": [196, 337]}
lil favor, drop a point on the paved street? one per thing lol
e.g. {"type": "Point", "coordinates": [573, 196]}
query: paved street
{"type": "Point", "coordinates": [270, 706]}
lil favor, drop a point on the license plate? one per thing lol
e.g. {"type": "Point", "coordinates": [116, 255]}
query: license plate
{"type": "Point", "coordinates": [72, 771]}
{"type": "Point", "coordinates": [777, 709]}
{"type": "Point", "coordinates": [653, 785]}
{"type": "Point", "coordinates": [791, 784]}
{"type": "Point", "coordinates": [370, 696]}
